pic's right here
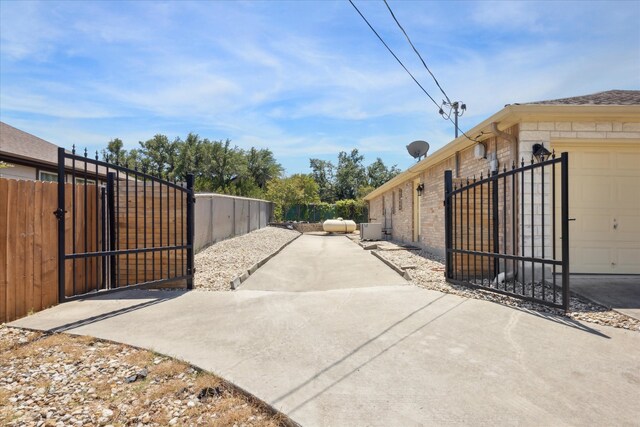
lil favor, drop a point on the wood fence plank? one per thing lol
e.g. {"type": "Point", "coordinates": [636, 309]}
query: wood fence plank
{"type": "Point", "coordinates": [4, 246]}
{"type": "Point", "coordinates": [20, 248]}
{"type": "Point", "coordinates": [50, 246]}
{"type": "Point", "coordinates": [29, 213]}
{"type": "Point", "coordinates": [12, 238]}
{"type": "Point", "coordinates": [37, 215]}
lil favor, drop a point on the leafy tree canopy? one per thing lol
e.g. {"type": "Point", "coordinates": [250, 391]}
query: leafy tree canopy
{"type": "Point", "coordinates": [217, 165]}
{"type": "Point", "coordinates": [350, 179]}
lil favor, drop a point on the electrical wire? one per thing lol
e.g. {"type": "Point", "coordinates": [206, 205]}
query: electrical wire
{"type": "Point", "coordinates": [416, 51]}
{"type": "Point", "coordinates": [407, 70]}
{"type": "Point", "coordinates": [394, 55]}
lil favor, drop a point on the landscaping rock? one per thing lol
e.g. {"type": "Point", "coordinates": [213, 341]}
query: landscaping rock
{"type": "Point", "coordinates": [220, 264]}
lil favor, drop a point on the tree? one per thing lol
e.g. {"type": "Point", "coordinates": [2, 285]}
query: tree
{"type": "Point", "coordinates": [298, 189]}
{"type": "Point", "coordinates": [114, 152]}
{"type": "Point", "coordinates": [350, 174]}
{"type": "Point", "coordinates": [378, 173]}
{"type": "Point", "coordinates": [188, 156]}
{"type": "Point", "coordinates": [262, 166]}
{"type": "Point", "coordinates": [323, 172]}
{"type": "Point", "coordinates": [216, 165]}
{"type": "Point", "coordinates": [223, 165]}
{"type": "Point", "coordinates": [160, 155]}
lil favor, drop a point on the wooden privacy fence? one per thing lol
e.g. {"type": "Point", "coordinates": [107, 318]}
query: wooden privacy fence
{"type": "Point", "coordinates": [28, 247]}
{"type": "Point", "coordinates": [149, 215]}
{"type": "Point", "coordinates": [29, 240]}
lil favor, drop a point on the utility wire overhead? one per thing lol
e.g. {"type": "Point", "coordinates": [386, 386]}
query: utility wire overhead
{"type": "Point", "coordinates": [416, 51]}
{"type": "Point", "coordinates": [394, 55]}
{"type": "Point", "coordinates": [448, 117]}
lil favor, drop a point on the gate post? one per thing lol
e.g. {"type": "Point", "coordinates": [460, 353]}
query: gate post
{"type": "Point", "coordinates": [190, 230]}
{"type": "Point", "coordinates": [59, 213]}
{"type": "Point", "coordinates": [564, 201]}
{"type": "Point", "coordinates": [111, 212]}
{"type": "Point", "coordinates": [448, 188]}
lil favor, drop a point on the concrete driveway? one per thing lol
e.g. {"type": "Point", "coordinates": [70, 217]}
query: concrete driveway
{"type": "Point", "coordinates": [345, 354]}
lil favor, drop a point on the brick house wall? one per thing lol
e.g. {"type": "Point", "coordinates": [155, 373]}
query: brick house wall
{"type": "Point", "coordinates": [464, 165]}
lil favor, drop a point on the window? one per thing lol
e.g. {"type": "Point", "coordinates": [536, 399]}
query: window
{"type": "Point", "coordinates": [400, 199]}
{"type": "Point", "coordinates": [81, 181]}
{"type": "Point", "coordinates": [48, 176]}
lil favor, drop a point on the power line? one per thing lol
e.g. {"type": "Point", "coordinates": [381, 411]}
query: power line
{"type": "Point", "coordinates": [416, 51]}
{"type": "Point", "coordinates": [407, 70]}
{"type": "Point", "coordinates": [394, 55]}
{"type": "Point", "coordinates": [448, 101]}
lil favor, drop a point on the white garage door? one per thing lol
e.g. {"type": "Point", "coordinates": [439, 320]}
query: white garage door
{"type": "Point", "coordinates": [604, 199]}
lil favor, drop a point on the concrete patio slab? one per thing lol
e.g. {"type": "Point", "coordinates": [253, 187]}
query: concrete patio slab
{"type": "Point", "coordinates": [382, 355]}
{"type": "Point", "coordinates": [621, 293]}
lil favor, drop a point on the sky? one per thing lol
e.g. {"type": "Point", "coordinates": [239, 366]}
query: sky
{"type": "Point", "coordinates": [301, 78]}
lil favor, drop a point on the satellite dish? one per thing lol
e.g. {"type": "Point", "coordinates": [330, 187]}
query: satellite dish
{"type": "Point", "coordinates": [418, 149]}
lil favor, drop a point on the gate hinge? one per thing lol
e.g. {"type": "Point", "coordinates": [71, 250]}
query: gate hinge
{"type": "Point", "coordinates": [59, 213]}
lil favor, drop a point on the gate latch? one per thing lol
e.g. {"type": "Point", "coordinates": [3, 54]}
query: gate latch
{"type": "Point", "coordinates": [59, 213]}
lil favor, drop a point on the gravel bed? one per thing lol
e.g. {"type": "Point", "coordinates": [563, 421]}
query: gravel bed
{"type": "Point", "coordinates": [221, 262]}
{"type": "Point", "coordinates": [428, 272]}
{"type": "Point", "coordinates": [63, 380]}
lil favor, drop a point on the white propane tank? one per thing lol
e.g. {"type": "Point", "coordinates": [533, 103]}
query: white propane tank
{"type": "Point", "coordinates": [339, 225]}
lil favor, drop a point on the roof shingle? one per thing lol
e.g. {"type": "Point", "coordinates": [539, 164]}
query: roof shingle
{"type": "Point", "coordinates": [610, 97]}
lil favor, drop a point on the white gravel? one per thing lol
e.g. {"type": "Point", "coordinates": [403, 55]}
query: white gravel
{"type": "Point", "coordinates": [220, 263]}
{"type": "Point", "coordinates": [428, 273]}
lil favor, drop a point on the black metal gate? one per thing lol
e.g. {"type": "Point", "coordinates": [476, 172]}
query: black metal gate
{"type": "Point", "coordinates": [509, 232]}
{"type": "Point", "coordinates": [120, 228]}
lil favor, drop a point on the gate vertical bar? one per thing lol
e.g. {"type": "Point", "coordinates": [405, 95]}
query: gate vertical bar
{"type": "Point", "coordinates": [61, 225]}
{"type": "Point", "coordinates": [111, 209]}
{"type": "Point", "coordinates": [190, 229]}
{"type": "Point", "coordinates": [495, 224]}
{"type": "Point", "coordinates": [564, 164]}
{"type": "Point", "coordinates": [103, 230]}
{"type": "Point", "coordinates": [448, 188]}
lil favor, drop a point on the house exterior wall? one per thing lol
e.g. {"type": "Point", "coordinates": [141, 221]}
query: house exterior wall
{"type": "Point", "coordinates": [18, 172]}
{"type": "Point", "coordinates": [464, 165]}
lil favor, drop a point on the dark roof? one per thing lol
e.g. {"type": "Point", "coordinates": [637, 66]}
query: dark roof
{"type": "Point", "coordinates": [23, 145]}
{"type": "Point", "coordinates": [610, 97]}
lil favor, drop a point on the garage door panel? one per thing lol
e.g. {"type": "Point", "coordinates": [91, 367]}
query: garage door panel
{"type": "Point", "coordinates": [595, 258]}
{"type": "Point", "coordinates": [604, 189]}
{"type": "Point", "coordinates": [583, 189]}
{"type": "Point", "coordinates": [595, 161]}
{"type": "Point", "coordinates": [626, 161]}
{"type": "Point", "coordinates": [628, 260]}
{"type": "Point", "coordinates": [592, 226]}
{"type": "Point", "coordinates": [628, 228]}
